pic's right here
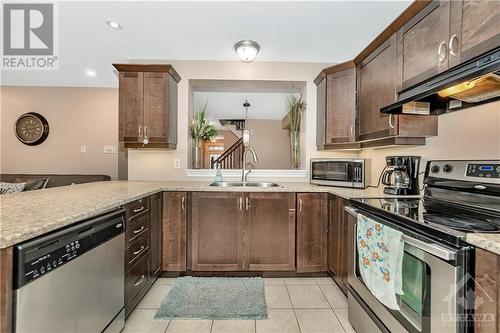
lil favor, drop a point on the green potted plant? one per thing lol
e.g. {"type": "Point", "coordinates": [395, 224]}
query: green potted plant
{"type": "Point", "coordinates": [296, 105]}
{"type": "Point", "coordinates": [201, 130]}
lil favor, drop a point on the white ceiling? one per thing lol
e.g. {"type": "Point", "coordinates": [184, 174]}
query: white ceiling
{"type": "Point", "coordinates": [297, 31]}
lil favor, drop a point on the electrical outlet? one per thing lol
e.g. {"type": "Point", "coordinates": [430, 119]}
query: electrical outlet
{"type": "Point", "coordinates": [109, 149]}
{"type": "Point", "coordinates": [177, 163]}
{"type": "Point", "coordinates": [83, 149]}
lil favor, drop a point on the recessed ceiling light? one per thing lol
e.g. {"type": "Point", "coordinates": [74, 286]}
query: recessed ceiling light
{"type": "Point", "coordinates": [90, 73]}
{"type": "Point", "coordinates": [247, 50]}
{"type": "Point", "coordinates": [113, 24]}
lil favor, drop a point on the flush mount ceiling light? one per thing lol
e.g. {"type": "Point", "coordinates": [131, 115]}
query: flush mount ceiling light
{"type": "Point", "coordinates": [247, 50]}
{"type": "Point", "coordinates": [90, 73]}
{"type": "Point", "coordinates": [113, 24]}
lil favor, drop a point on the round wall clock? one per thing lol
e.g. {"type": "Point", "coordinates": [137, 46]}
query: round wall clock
{"type": "Point", "coordinates": [31, 128]}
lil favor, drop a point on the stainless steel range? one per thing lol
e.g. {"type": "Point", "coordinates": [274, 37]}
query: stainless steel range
{"type": "Point", "coordinates": [460, 197]}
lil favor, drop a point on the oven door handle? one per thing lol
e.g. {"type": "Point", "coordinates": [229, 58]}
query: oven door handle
{"type": "Point", "coordinates": [431, 248]}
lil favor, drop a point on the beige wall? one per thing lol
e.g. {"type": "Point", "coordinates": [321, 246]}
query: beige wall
{"type": "Point", "coordinates": [271, 143]}
{"type": "Point", "coordinates": [159, 165]}
{"type": "Point", "coordinates": [76, 116]}
{"type": "Point", "coordinates": [473, 133]}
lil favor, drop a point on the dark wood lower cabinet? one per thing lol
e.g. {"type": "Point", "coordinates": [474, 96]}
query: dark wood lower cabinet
{"type": "Point", "coordinates": [155, 258]}
{"type": "Point", "coordinates": [487, 291]}
{"type": "Point", "coordinates": [217, 220]}
{"type": "Point", "coordinates": [6, 276]}
{"type": "Point", "coordinates": [312, 230]}
{"type": "Point", "coordinates": [337, 241]}
{"type": "Point", "coordinates": [174, 231]}
{"type": "Point", "coordinates": [269, 232]}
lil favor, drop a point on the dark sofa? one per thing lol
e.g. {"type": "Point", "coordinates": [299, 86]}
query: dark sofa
{"type": "Point", "coordinates": [55, 180]}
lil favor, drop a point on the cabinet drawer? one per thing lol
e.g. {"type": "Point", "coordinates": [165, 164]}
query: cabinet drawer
{"type": "Point", "coordinates": [136, 227]}
{"type": "Point", "coordinates": [136, 279]}
{"type": "Point", "coordinates": [138, 207]}
{"type": "Point", "coordinates": [137, 248]}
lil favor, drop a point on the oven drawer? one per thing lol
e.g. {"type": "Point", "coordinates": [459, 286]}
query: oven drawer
{"type": "Point", "coordinates": [136, 279]}
{"type": "Point", "coordinates": [138, 207]}
{"type": "Point", "coordinates": [136, 227]}
{"type": "Point", "coordinates": [136, 249]}
{"type": "Point", "coordinates": [359, 318]}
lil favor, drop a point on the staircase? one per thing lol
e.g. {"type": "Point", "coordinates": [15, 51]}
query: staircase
{"type": "Point", "coordinates": [232, 158]}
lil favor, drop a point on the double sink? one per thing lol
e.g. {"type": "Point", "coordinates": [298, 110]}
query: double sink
{"type": "Point", "coordinates": [247, 184]}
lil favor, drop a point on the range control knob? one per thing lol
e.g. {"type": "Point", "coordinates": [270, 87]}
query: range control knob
{"type": "Point", "coordinates": [435, 168]}
{"type": "Point", "coordinates": [447, 168]}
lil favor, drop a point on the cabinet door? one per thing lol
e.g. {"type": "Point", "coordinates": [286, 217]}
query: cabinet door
{"type": "Point", "coordinates": [312, 224]}
{"type": "Point", "coordinates": [376, 89]}
{"type": "Point", "coordinates": [321, 113]}
{"type": "Point", "coordinates": [333, 235]}
{"type": "Point", "coordinates": [341, 106]}
{"type": "Point", "coordinates": [424, 43]}
{"type": "Point", "coordinates": [270, 232]}
{"type": "Point", "coordinates": [487, 285]}
{"type": "Point", "coordinates": [174, 231]}
{"type": "Point", "coordinates": [131, 108]}
{"type": "Point", "coordinates": [156, 106]}
{"type": "Point", "coordinates": [474, 29]}
{"type": "Point", "coordinates": [217, 231]}
{"type": "Point", "coordinates": [156, 235]}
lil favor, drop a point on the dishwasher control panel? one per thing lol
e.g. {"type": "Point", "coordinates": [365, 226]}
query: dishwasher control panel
{"type": "Point", "coordinates": [40, 256]}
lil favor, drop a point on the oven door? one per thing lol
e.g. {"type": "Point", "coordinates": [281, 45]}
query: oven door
{"type": "Point", "coordinates": [429, 303]}
{"type": "Point", "coordinates": [332, 172]}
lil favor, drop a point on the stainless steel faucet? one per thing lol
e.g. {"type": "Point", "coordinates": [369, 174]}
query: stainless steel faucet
{"type": "Point", "coordinates": [244, 173]}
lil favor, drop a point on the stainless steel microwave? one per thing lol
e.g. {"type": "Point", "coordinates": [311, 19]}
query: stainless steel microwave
{"type": "Point", "coordinates": [353, 172]}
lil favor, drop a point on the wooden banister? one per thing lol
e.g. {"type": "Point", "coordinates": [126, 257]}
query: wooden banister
{"type": "Point", "coordinates": [232, 158]}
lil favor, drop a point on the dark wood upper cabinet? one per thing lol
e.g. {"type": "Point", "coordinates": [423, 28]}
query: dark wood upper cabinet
{"type": "Point", "coordinates": [174, 231]}
{"type": "Point", "coordinates": [423, 44]}
{"type": "Point", "coordinates": [377, 82]}
{"type": "Point", "coordinates": [377, 88]}
{"type": "Point", "coordinates": [217, 231]}
{"type": "Point", "coordinates": [270, 232]}
{"type": "Point", "coordinates": [312, 231]}
{"type": "Point", "coordinates": [474, 29]}
{"type": "Point", "coordinates": [336, 105]}
{"type": "Point", "coordinates": [155, 258]}
{"type": "Point", "coordinates": [147, 105]}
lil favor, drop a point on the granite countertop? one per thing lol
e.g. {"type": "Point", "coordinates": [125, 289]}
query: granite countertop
{"type": "Point", "coordinates": [26, 215]}
{"type": "Point", "coordinates": [488, 242]}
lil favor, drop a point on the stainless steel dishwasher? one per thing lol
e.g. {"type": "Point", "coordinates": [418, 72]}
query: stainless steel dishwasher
{"type": "Point", "coordinates": [72, 280]}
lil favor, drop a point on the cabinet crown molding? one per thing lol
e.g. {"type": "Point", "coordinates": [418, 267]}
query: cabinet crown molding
{"type": "Point", "coordinates": [148, 68]}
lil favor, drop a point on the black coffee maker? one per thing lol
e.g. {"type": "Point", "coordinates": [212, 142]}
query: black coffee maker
{"type": "Point", "coordinates": [401, 175]}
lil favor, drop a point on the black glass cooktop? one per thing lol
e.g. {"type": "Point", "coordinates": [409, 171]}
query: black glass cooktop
{"type": "Point", "coordinates": [454, 220]}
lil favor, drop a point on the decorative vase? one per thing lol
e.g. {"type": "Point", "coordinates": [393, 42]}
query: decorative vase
{"type": "Point", "coordinates": [295, 145]}
{"type": "Point", "coordinates": [197, 156]}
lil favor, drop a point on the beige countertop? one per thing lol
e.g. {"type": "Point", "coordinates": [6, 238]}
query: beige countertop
{"type": "Point", "coordinates": [26, 215]}
{"type": "Point", "coordinates": [489, 242]}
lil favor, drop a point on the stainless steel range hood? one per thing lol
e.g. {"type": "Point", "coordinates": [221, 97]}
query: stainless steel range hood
{"type": "Point", "coordinates": [474, 82]}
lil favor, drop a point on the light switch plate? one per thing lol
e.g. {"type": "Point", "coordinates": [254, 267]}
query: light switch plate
{"type": "Point", "coordinates": [83, 149]}
{"type": "Point", "coordinates": [177, 163]}
{"type": "Point", "coordinates": [109, 149]}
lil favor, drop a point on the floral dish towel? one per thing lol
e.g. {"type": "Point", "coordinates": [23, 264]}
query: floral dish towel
{"type": "Point", "coordinates": [380, 254]}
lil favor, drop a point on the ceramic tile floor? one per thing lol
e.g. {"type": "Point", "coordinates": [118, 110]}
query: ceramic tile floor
{"type": "Point", "coordinates": [295, 305]}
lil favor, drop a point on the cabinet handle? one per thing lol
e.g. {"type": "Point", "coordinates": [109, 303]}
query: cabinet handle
{"type": "Point", "coordinates": [183, 203]}
{"type": "Point", "coordinates": [453, 53]}
{"type": "Point", "coordinates": [300, 205]}
{"type": "Point", "coordinates": [138, 230]}
{"type": "Point", "coordinates": [137, 210]}
{"type": "Point", "coordinates": [247, 203]}
{"type": "Point", "coordinates": [140, 131]}
{"type": "Point", "coordinates": [146, 138]}
{"type": "Point", "coordinates": [240, 203]}
{"type": "Point", "coordinates": [139, 280]}
{"type": "Point", "coordinates": [139, 251]}
{"type": "Point", "coordinates": [391, 124]}
{"type": "Point", "coordinates": [352, 129]}
{"type": "Point", "coordinates": [441, 54]}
